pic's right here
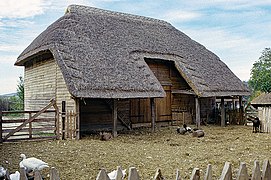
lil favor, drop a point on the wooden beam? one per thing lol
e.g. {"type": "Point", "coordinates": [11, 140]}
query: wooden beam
{"type": "Point", "coordinates": [114, 117]}
{"type": "Point", "coordinates": [197, 112]}
{"type": "Point", "coordinates": [77, 126]}
{"type": "Point", "coordinates": [223, 120]}
{"type": "Point", "coordinates": [1, 137]}
{"type": "Point", "coordinates": [63, 115]}
{"type": "Point", "coordinates": [153, 114]}
{"type": "Point", "coordinates": [57, 125]}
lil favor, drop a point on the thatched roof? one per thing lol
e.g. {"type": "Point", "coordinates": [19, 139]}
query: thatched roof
{"type": "Point", "coordinates": [101, 54]}
{"type": "Point", "coordinates": [263, 100]}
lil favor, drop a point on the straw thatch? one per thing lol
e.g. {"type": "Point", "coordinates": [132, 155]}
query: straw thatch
{"type": "Point", "coordinates": [101, 54]}
{"type": "Point", "coordinates": [263, 100]}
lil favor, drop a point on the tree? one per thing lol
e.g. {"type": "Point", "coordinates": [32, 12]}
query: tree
{"type": "Point", "coordinates": [260, 79]}
{"type": "Point", "coordinates": [18, 100]}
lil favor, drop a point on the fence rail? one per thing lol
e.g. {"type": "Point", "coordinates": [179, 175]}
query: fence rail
{"type": "Point", "coordinates": [29, 125]}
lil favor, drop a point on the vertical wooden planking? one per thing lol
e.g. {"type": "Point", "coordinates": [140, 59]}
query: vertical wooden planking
{"type": "Point", "coordinates": [102, 175]}
{"type": "Point", "coordinates": [133, 174]}
{"type": "Point", "coordinates": [77, 118]}
{"type": "Point", "coordinates": [195, 174]}
{"type": "Point", "coordinates": [256, 172]}
{"type": "Point", "coordinates": [153, 114]}
{"type": "Point", "coordinates": [266, 170]}
{"type": "Point", "coordinates": [223, 121]}
{"type": "Point", "coordinates": [197, 112]}
{"type": "Point", "coordinates": [209, 173]}
{"type": "Point", "coordinates": [115, 117]}
{"type": "Point", "coordinates": [54, 174]}
{"type": "Point", "coordinates": [242, 173]}
{"type": "Point", "coordinates": [226, 172]}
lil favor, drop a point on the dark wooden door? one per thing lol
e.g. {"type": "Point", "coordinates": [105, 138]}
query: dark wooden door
{"type": "Point", "coordinates": [163, 106]}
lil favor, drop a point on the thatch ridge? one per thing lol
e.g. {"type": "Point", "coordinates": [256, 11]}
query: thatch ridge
{"type": "Point", "coordinates": [101, 54]}
{"type": "Point", "coordinates": [263, 99]}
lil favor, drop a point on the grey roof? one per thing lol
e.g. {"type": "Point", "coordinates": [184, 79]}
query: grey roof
{"type": "Point", "coordinates": [101, 54]}
{"type": "Point", "coordinates": [263, 99]}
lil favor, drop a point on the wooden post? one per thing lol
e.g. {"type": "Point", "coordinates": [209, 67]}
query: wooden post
{"type": "Point", "coordinates": [197, 112]}
{"type": "Point", "coordinates": [63, 115]}
{"type": "Point", "coordinates": [226, 172]}
{"type": "Point", "coordinates": [57, 125]}
{"type": "Point", "coordinates": [208, 174]}
{"type": "Point", "coordinates": [1, 117]}
{"type": "Point", "coordinates": [153, 114]}
{"type": "Point", "coordinates": [115, 117]}
{"type": "Point", "coordinates": [133, 174]}
{"type": "Point", "coordinates": [30, 127]}
{"type": "Point", "coordinates": [241, 109]}
{"type": "Point", "coordinates": [77, 127]}
{"type": "Point", "coordinates": [223, 123]}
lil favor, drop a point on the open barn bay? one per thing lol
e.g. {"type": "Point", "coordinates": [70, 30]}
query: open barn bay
{"type": "Point", "coordinates": [146, 151]}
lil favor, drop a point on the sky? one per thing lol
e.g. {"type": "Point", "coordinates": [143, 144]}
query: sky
{"type": "Point", "coordinates": [235, 30]}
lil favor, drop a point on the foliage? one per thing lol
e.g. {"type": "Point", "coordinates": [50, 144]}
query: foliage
{"type": "Point", "coordinates": [18, 101]}
{"type": "Point", "coordinates": [260, 79]}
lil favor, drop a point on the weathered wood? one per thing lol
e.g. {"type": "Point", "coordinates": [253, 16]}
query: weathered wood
{"type": "Point", "coordinates": [195, 174]}
{"type": "Point", "coordinates": [158, 175]}
{"type": "Point", "coordinates": [178, 176]}
{"type": "Point", "coordinates": [115, 117]}
{"type": "Point", "coordinates": [119, 175]}
{"type": "Point", "coordinates": [153, 114]}
{"type": "Point", "coordinates": [102, 175]}
{"type": "Point", "coordinates": [23, 174]}
{"type": "Point", "coordinates": [256, 172]}
{"type": "Point", "coordinates": [226, 172]}
{"type": "Point", "coordinates": [30, 127]}
{"type": "Point", "coordinates": [223, 120]}
{"type": "Point", "coordinates": [37, 175]}
{"type": "Point", "coordinates": [23, 120]}
{"type": "Point", "coordinates": [209, 173]}
{"type": "Point", "coordinates": [57, 131]}
{"type": "Point", "coordinates": [77, 118]}
{"type": "Point", "coordinates": [54, 174]}
{"type": "Point", "coordinates": [197, 112]}
{"type": "Point", "coordinates": [29, 120]}
{"type": "Point", "coordinates": [266, 174]}
{"type": "Point", "coordinates": [133, 174]}
{"type": "Point", "coordinates": [242, 173]}
{"type": "Point", "coordinates": [63, 114]}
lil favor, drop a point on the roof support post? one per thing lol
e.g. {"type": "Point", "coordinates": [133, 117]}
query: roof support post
{"type": "Point", "coordinates": [223, 120]}
{"type": "Point", "coordinates": [153, 114]}
{"type": "Point", "coordinates": [77, 127]}
{"type": "Point", "coordinates": [197, 112]}
{"type": "Point", "coordinates": [241, 110]}
{"type": "Point", "coordinates": [115, 117]}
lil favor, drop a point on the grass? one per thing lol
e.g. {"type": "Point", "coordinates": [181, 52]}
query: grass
{"type": "Point", "coordinates": [146, 151]}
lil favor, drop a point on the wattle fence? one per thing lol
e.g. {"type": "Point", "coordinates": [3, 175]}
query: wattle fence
{"type": "Point", "coordinates": [242, 174]}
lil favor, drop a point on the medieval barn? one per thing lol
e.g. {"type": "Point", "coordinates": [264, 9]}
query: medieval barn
{"type": "Point", "coordinates": [119, 71]}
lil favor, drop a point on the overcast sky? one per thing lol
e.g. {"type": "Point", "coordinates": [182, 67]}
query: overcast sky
{"type": "Point", "coordinates": [235, 30]}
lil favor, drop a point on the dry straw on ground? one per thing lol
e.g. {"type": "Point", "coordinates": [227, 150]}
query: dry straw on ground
{"type": "Point", "coordinates": [146, 151]}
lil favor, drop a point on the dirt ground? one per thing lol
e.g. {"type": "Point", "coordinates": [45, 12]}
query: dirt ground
{"type": "Point", "coordinates": [146, 151]}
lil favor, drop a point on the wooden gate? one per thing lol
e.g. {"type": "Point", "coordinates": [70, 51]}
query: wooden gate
{"type": "Point", "coordinates": [15, 126]}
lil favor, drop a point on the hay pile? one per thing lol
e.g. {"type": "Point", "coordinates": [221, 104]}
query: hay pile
{"type": "Point", "coordinates": [146, 151]}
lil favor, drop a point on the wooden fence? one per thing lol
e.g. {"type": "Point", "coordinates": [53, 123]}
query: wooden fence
{"type": "Point", "coordinates": [264, 114]}
{"type": "Point", "coordinates": [29, 125]}
{"type": "Point", "coordinates": [242, 174]}
{"type": "Point", "coordinates": [226, 174]}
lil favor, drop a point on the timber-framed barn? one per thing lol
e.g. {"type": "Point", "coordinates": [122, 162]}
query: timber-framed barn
{"type": "Point", "coordinates": [118, 70]}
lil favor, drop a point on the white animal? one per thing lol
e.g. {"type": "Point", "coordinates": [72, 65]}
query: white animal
{"type": "Point", "coordinates": [15, 176]}
{"type": "Point", "coordinates": [32, 163]}
{"type": "Point", "coordinates": [3, 172]}
{"type": "Point", "coordinates": [113, 175]}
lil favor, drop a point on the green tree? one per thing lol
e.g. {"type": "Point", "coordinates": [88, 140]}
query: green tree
{"type": "Point", "coordinates": [17, 102]}
{"type": "Point", "coordinates": [260, 79]}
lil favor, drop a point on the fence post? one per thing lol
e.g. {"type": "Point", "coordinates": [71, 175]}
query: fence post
{"type": "Point", "coordinates": [133, 174]}
{"type": "Point", "coordinates": [242, 173]}
{"type": "Point", "coordinates": [195, 174]}
{"type": "Point", "coordinates": [30, 127]}
{"type": "Point", "coordinates": [208, 174]}
{"type": "Point", "coordinates": [1, 136]}
{"type": "Point", "coordinates": [54, 174]}
{"type": "Point", "coordinates": [266, 170]}
{"type": "Point", "coordinates": [256, 172]}
{"type": "Point", "coordinates": [57, 121]}
{"type": "Point", "coordinates": [178, 176]}
{"type": "Point", "coordinates": [102, 175]}
{"type": "Point", "coordinates": [63, 114]}
{"type": "Point", "coordinates": [226, 172]}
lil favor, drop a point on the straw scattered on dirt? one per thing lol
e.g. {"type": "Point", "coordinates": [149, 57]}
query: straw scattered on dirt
{"type": "Point", "coordinates": [146, 151]}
